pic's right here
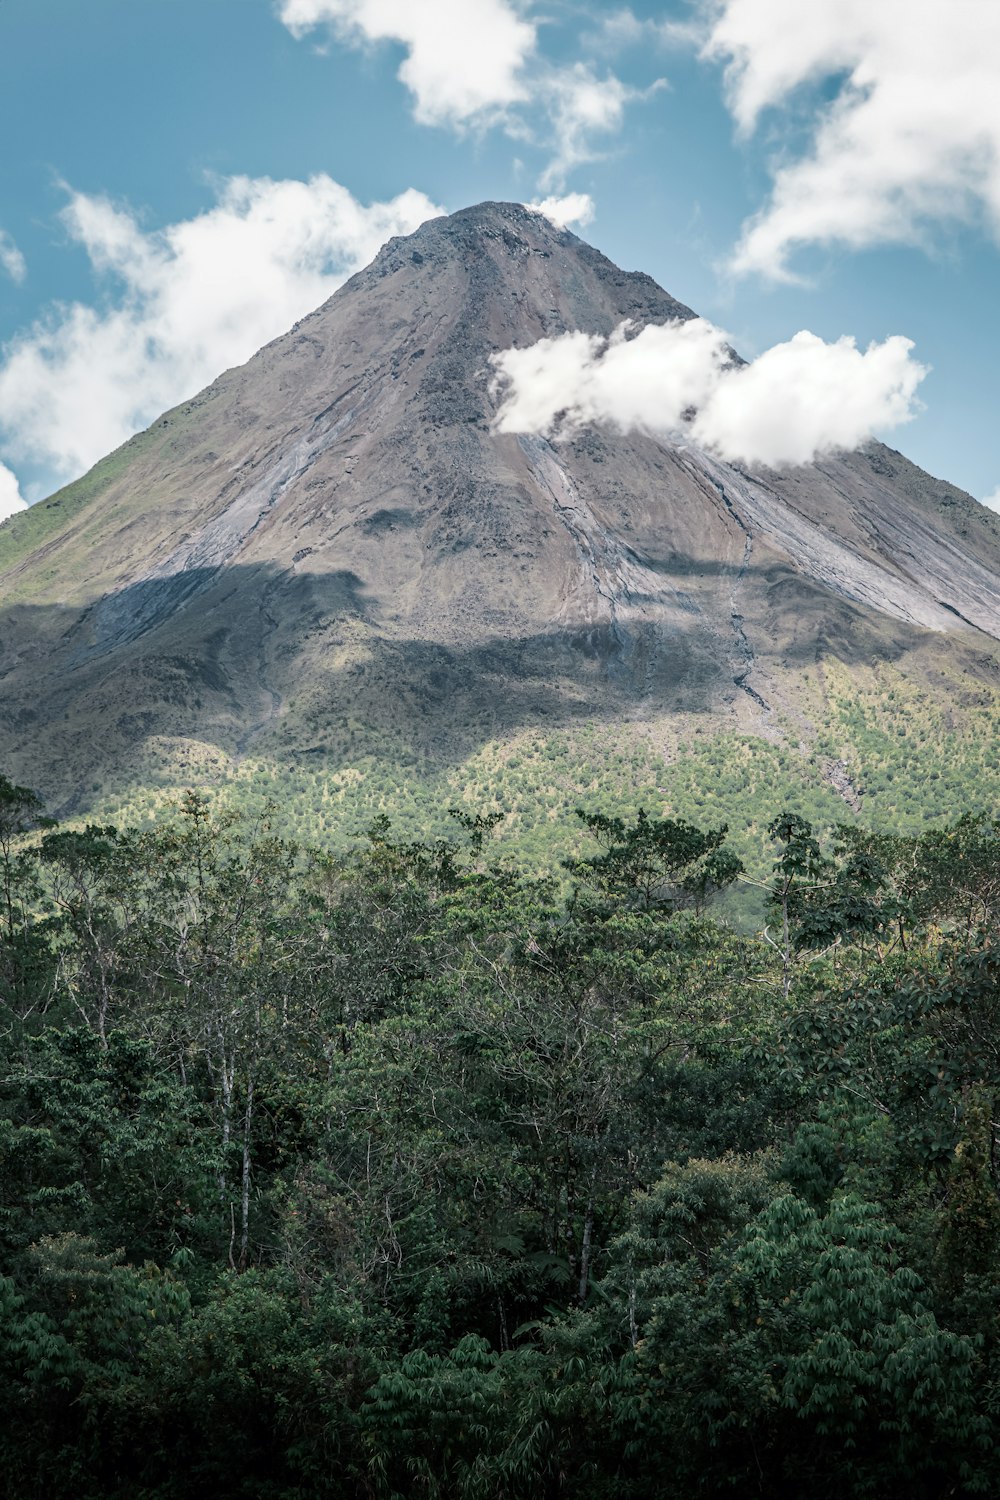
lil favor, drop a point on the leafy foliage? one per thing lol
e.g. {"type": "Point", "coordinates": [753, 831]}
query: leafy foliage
{"type": "Point", "coordinates": [408, 1172]}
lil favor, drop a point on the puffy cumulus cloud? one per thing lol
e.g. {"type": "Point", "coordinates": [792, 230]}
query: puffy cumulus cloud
{"type": "Point", "coordinates": [10, 493]}
{"type": "Point", "coordinates": [464, 57]}
{"type": "Point", "coordinates": [910, 136]}
{"type": "Point", "coordinates": [645, 382]}
{"type": "Point", "coordinates": [992, 502]}
{"type": "Point", "coordinates": [11, 259]}
{"type": "Point", "coordinates": [805, 398]}
{"type": "Point", "coordinates": [184, 303]}
{"type": "Point", "coordinates": [796, 402]}
{"type": "Point", "coordinates": [572, 208]}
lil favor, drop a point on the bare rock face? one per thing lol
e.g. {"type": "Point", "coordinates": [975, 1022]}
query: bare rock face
{"type": "Point", "coordinates": [332, 535]}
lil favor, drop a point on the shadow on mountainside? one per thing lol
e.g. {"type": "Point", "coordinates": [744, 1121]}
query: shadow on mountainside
{"type": "Point", "coordinates": [285, 663]}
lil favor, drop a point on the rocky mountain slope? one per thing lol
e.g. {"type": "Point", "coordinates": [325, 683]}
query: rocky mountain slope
{"type": "Point", "coordinates": [328, 555]}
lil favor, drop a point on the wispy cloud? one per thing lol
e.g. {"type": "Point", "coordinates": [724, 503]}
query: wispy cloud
{"type": "Point", "coordinates": [621, 29]}
{"type": "Point", "coordinates": [11, 259]}
{"type": "Point", "coordinates": [179, 306]}
{"type": "Point", "coordinates": [585, 110]}
{"type": "Point", "coordinates": [992, 502]}
{"type": "Point", "coordinates": [796, 402]}
{"type": "Point", "coordinates": [473, 64]}
{"type": "Point", "coordinates": [909, 138]}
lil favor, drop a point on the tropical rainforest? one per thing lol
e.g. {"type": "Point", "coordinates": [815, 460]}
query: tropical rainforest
{"type": "Point", "coordinates": [405, 1172]}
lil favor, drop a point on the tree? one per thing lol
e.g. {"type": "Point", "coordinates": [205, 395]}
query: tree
{"type": "Point", "coordinates": [656, 863]}
{"type": "Point", "coordinates": [25, 969]}
{"type": "Point", "coordinates": [91, 882]}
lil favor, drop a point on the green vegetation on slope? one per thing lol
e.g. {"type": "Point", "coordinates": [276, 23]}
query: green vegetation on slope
{"type": "Point", "coordinates": [51, 520]}
{"type": "Point", "coordinates": [891, 754]}
{"type": "Point", "coordinates": [25, 532]}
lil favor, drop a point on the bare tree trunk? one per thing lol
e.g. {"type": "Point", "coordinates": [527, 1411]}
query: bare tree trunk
{"type": "Point", "coordinates": [786, 954]}
{"type": "Point", "coordinates": [232, 1235]}
{"type": "Point", "coordinates": [504, 1335]}
{"type": "Point", "coordinates": [245, 1180]}
{"type": "Point", "coordinates": [104, 1006]}
{"type": "Point", "coordinates": [226, 1071]}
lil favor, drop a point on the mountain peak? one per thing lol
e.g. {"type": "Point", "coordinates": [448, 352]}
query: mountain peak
{"type": "Point", "coordinates": [490, 217]}
{"type": "Point", "coordinates": [500, 274]}
{"type": "Point", "coordinates": [508, 231]}
{"type": "Point", "coordinates": [333, 543]}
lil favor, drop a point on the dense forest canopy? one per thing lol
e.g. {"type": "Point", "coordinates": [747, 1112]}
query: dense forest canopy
{"type": "Point", "coordinates": [407, 1173]}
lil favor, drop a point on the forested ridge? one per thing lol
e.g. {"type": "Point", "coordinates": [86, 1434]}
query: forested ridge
{"type": "Point", "coordinates": [405, 1173]}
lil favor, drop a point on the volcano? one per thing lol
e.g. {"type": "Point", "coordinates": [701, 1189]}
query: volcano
{"type": "Point", "coordinates": [330, 554]}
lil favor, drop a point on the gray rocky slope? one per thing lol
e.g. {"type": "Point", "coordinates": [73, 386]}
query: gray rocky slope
{"type": "Point", "coordinates": [331, 542]}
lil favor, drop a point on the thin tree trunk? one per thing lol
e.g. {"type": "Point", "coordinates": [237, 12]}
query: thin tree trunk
{"type": "Point", "coordinates": [226, 1072]}
{"type": "Point", "coordinates": [245, 1181]}
{"type": "Point", "coordinates": [786, 953]}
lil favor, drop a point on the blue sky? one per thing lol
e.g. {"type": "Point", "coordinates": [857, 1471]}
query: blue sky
{"type": "Point", "coordinates": [183, 178]}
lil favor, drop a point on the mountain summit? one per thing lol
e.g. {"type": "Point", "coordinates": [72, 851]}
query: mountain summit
{"type": "Point", "coordinates": [330, 553]}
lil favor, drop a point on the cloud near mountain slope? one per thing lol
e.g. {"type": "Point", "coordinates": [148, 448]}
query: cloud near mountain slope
{"type": "Point", "coordinates": [10, 493]}
{"type": "Point", "coordinates": [797, 401]}
{"type": "Point", "coordinates": [571, 208]}
{"type": "Point", "coordinates": [186, 302]}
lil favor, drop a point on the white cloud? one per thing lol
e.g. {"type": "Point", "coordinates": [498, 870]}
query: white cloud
{"type": "Point", "coordinates": [911, 136]}
{"type": "Point", "coordinates": [11, 258]}
{"type": "Point", "coordinates": [623, 28]}
{"type": "Point", "coordinates": [572, 208]}
{"type": "Point", "coordinates": [992, 502]}
{"type": "Point", "coordinates": [643, 382]}
{"type": "Point", "coordinates": [581, 106]}
{"type": "Point", "coordinates": [464, 57]}
{"type": "Point", "coordinates": [805, 398]}
{"type": "Point", "coordinates": [10, 493]}
{"type": "Point", "coordinates": [475, 63]}
{"type": "Point", "coordinates": [796, 402]}
{"type": "Point", "coordinates": [186, 303]}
